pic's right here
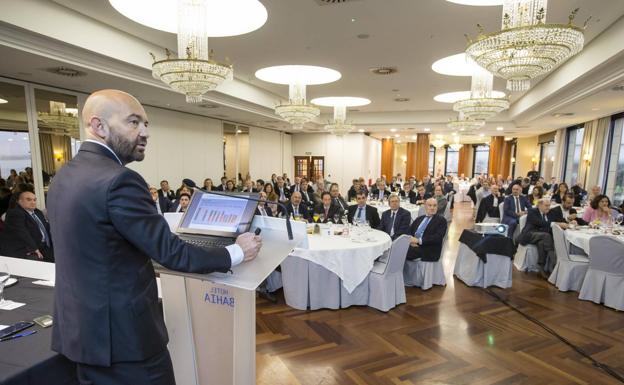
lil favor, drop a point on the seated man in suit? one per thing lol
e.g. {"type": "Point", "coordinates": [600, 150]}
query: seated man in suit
{"type": "Point", "coordinates": [221, 187]}
{"type": "Point", "coordinates": [428, 184]}
{"type": "Point", "coordinates": [27, 232]}
{"type": "Point", "coordinates": [489, 205]}
{"type": "Point", "coordinates": [538, 232]}
{"type": "Point", "coordinates": [162, 203]}
{"type": "Point", "coordinates": [337, 199]}
{"type": "Point", "coordinates": [307, 194]}
{"type": "Point", "coordinates": [363, 212]}
{"type": "Point", "coordinates": [380, 191]}
{"type": "Point", "coordinates": [181, 204]}
{"type": "Point", "coordinates": [328, 210]}
{"type": "Point", "coordinates": [165, 191]}
{"type": "Point", "coordinates": [421, 195]}
{"type": "Point", "coordinates": [296, 186]}
{"type": "Point", "coordinates": [566, 213]}
{"type": "Point", "coordinates": [283, 192]}
{"type": "Point", "coordinates": [263, 209]}
{"type": "Point", "coordinates": [439, 196]}
{"type": "Point", "coordinates": [448, 185]}
{"type": "Point", "coordinates": [428, 234]}
{"type": "Point", "coordinates": [515, 206]}
{"type": "Point", "coordinates": [297, 208]}
{"type": "Point", "coordinates": [408, 192]}
{"type": "Point", "coordinates": [352, 193]}
{"type": "Point", "coordinates": [396, 221]}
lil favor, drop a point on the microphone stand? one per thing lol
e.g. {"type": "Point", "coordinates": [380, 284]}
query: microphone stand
{"type": "Point", "coordinates": [190, 183]}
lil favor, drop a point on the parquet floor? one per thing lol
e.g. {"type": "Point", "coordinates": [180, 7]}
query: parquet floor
{"type": "Point", "coordinates": [447, 335]}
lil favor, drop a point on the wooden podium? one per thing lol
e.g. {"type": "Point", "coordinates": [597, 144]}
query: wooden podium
{"type": "Point", "coordinates": [211, 318]}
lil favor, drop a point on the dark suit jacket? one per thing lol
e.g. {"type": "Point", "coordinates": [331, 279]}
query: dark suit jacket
{"type": "Point", "coordinates": [536, 223]}
{"type": "Point", "coordinates": [402, 222]}
{"type": "Point", "coordinates": [486, 207]}
{"type": "Point", "coordinates": [417, 197]}
{"type": "Point", "coordinates": [375, 192]}
{"type": "Point", "coordinates": [303, 211]}
{"type": "Point", "coordinates": [340, 202]}
{"type": "Point", "coordinates": [105, 229]}
{"type": "Point", "coordinates": [411, 195]}
{"type": "Point", "coordinates": [309, 190]}
{"type": "Point", "coordinates": [557, 214]}
{"type": "Point", "coordinates": [432, 238]}
{"type": "Point", "coordinates": [286, 192]}
{"type": "Point", "coordinates": [171, 195]}
{"type": "Point", "coordinates": [448, 187]}
{"type": "Point", "coordinates": [372, 215]}
{"type": "Point", "coordinates": [351, 194]}
{"type": "Point", "coordinates": [267, 209]}
{"type": "Point", "coordinates": [333, 210]}
{"type": "Point", "coordinates": [165, 204]}
{"type": "Point", "coordinates": [509, 208]}
{"type": "Point", "coordinates": [22, 235]}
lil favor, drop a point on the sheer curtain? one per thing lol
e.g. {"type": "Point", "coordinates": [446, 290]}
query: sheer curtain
{"type": "Point", "coordinates": [47, 153]}
{"type": "Point", "coordinates": [593, 144]}
{"type": "Point", "coordinates": [560, 142]}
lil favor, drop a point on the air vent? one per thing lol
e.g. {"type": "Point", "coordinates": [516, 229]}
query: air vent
{"type": "Point", "coordinates": [619, 88]}
{"type": "Point", "coordinates": [401, 100]}
{"type": "Point", "coordinates": [330, 2]}
{"type": "Point", "coordinates": [562, 114]}
{"type": "Point", "coordinates": [383, 70]}
{"type": "Point", "coordinates": [65, 71]}
{"type": "Point", "coordinates": [208, 105]}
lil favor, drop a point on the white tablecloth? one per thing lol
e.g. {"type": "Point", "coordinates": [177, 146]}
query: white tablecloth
{"type": "Point", "coordinates": [581, 237]}
{"type": "Point", "coordinates": [413, 209]}
{"type": "Point", "coordinates": [351, 261]}
{"type": "Point", "coordinates": [461, 191]}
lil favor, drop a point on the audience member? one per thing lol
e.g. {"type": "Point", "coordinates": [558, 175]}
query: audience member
{"type": "Point", "coordinates": [489, 205]}
{"type": "Point", "coordinates": [561, 192]}
{"type": "Point", "coordinates": [362, 212]}
{"type": "Point", "coordinates": [599, 210]}
{"type": "Point", "coordinates": [337, 199]}
{"type": "Point", "coordinates": [421, 195]}
{"type": "Point", "coordinates": [230, 186]}
{"type": "Point", "coordinates": [566, 213]}
{"type": "Point", "coordinates": [514, 206]}
{"type": "Point", "coordinates": [355, 187]}
{"type": "Point", "coordinates": [282, 192]}
{"type": "Point", "coordinates": [380, 191]}
{"type": "Point", "coordinates": [208, 185]}
{"type": "Point", "coordinates": [395, 221]}
{"type": "Point", "coordinates": [297, 208]}
{"type": "Point", "coordinates": [536, 195]}
{"type": "Point", "coordinates": [263, 209]}
{"type": "Point", "coordinates": [162, 204]}
{"type": "Point", "coordinates": [181, 204]}
{"type": "Point", "coordinates": [428, 232]}
{"type": "Point", "coordinates": [221, 187]}
{"type": "Point", "coordinates": [439, 196]}
{"type": "Point", "coordinates": [165, 191]}
{"type": "Point", "coordinates": [329, 212]}
{"type": "Point", "coordinates": [594, 192]}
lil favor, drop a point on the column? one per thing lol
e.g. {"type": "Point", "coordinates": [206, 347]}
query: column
{"type": "Point", "coordinates": [463, 166]}
{"type": "Point", "coordinates": [505, 161]}
{"type": "Point", "coordinates": [387, 158]}
{"type": "Point", "coordinates": [422, 155]}
{"type": "Point", "coordinates": [410, 169]}
{"type": "Point", "coordinates": [496, 150]}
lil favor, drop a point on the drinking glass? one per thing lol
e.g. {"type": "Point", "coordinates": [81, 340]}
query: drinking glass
{"type": "Point", "coordinates": [336, 218]}
{"type": "Point", "coordinates": [316, 218]}
{"type": "Point", "coordinates": [619, 219]}
{"type": "Point", "coordinates": [4, 276]}
{"type": "Point", "coordinates": [322, 217]}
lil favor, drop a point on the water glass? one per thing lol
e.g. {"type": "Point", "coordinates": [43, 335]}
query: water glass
{"type": "Point", "coordinates": [4, 277]}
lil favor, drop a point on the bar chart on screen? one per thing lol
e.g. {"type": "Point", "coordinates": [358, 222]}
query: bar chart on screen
{"type": "Point", "coordinates": [218, 213]}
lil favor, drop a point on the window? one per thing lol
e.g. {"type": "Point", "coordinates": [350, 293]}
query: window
{"type": "Point", "coordinates": [481, 159]}
{"type": "Point", "coordinates": [615, 178]}
{"type": "Point", "coordinates": [14, 137]}
{"type": "Point", "coordinates": [432, 151]}
{"type": "Point", "coordinates": [547, 159]}
{"type": "Point", "coordinates": [452, 162]}
{"type": "Point", "coordinates": [310, 166]}
{"type": "Point", "coordinates": [573, 154]}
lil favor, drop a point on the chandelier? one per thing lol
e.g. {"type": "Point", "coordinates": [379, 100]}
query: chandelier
{"type": "Point", "coordinates": [339, 127]}
{"type": "Point", "coordinates": [456, 146]}
{"type": "Point", "coordinates": [296, 111]}
{"type": "Point", "coordinates": [526, 47]}
{"type": "Point", "coordinates": [59, 118]}
{"type": "Point", "coordinates": [193, 72]}
{"type": "Point", "coordinates": [481, 105]}
{"type": "Point", "coordinates": [438, 142]}
{"type": "Point", "coordinates": [462, 123]}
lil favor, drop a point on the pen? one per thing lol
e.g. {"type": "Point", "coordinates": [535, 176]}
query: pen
{"type": "Point", "coordinates": [18, 335]}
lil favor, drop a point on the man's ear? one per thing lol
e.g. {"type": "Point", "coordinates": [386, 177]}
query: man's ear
{"type": "Point", "coordinates": [98, 127]}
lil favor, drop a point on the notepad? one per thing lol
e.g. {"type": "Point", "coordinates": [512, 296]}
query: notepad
{"type": "Point", "coordinates": [10, 305]}
{"type": "Point", "coordinates": [44, 283]}
{"type": "Point", "coordinates": [3, 326]}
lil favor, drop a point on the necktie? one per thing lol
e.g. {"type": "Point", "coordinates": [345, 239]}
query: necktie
{"type": "Point", "coordinates": [158, 208]}
{"type": "Point", "coordinates": [296, 210]}
{"type": "Point", "coordinates": [326, 213]}
{"type": "Point", "coordinates": [282, 197]}
{"type": "Point", "coordinates": [392, 228]}
{"type": "Point", "coordinates": [517, 205]}
{"type": "Point", "coordinates": [42, 229]}
{"type": "Point", "coordinates": [422, 227]}
{"type": "Point", "coordinates": [263, 212]}
{"type": "Point", "coordinates": [545, 219]}
{"type": "Point", "coordinates": [359, 214]}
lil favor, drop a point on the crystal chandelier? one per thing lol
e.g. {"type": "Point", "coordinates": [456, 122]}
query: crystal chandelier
{"type": "Point", "coordinates": [481, 105]}
{"type": "Point", "coordinates": [438, 142]}
{"type": "Point", "coordinates": [340, 127]}
{"type": "Point", "coordinates": [193, 72]}
{"type": "Point", "coordinates": [526, 47]}
{"type": "Point", "coordinates": [297, 112]}
{"type": "Point", "coordinates": [462, 123]}
{"type": "Point", "coordinates": [456, 146]}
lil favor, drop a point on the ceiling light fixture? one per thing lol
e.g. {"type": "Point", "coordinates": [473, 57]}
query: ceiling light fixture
{"type": "Point", "coordinates": [452, 97]}
{"type": "Point", "coordinates": [339, 126]}
{"type": "Point", "coordinates": [3, 101]}
{"type": "Point", "coordinates": [438, 143]}
{"type": "Point", "coordinates": [454, 65]}
{"type": "Point", "coordinates": [526, 47]}
{"type": "Point", "coordinates": [481, 105]}
{"type": "Point", "coordinates": [477, 2]}
{"type": "Point", "coordinates": [461, 123]}
{"type": "Point", "coordinates": [500, 128]}
{"type": "Point", "coordinates": [296, 111]}
{"type": "Point", "coordinates": [427, 129]}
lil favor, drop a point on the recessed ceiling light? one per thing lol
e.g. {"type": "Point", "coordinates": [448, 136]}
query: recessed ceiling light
{"type": "Point", "coordinates": [333, 101]}
{"type": "Point", "coordinates": [398, 141]}
{"type": "Point", "coordinates": [239, 131]}
{"type": "Point", "coordinates": [452, 97]}
{"type": "Point", "coordinates": [353, 19]}
{"type": "Point", "coordinates": [293, 74]}
{"type": "Point", "coordinates": [393, 130]}
{"type": "Point", "coordinates": [396, 135]}
{"type": "Point", "coordinates": [360, 130]}
{"type": "Point", "coordinates": [427, 129]}
{"type": "Point", "coordinates": [481, 135]}
{"type": "Point", "coordinates": [401, 100]}
{"type": "Point", "coordinates": [10, 139]}
{"type": "Point", "coordinates": [414, 137]}
{"type": "Point", "coordinates": [383, 70]}
{"type": "Point", "coordinates": [227, 17]}
{"type": "Point", "coordinates": [454, 65]}
{"type": "Point", "coordinates": [500, 128]}
{"type": "Point", "coordinates": [595, 109]}
{"type": "Point", "coordinates": [363, 36]}
{"type": "Point", "coordinates": [480, 3]}
{"type": "Point", "coordinates": [462, 129]}
{"type": "Point", "coordinates": [3, 101]}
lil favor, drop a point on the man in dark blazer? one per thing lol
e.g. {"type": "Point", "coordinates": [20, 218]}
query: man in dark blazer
{"type": "Point", "coordinates": [165, 191]}
{"type": "Point", "coordinates": [408, 192]}
{"type": "Point", "coordinates": [380, 191]}
{"type": "Point", "coordinates": [283, 192]}
{"type": "Point", "coordinates": [337, 199]}
{"type": "Point", "coordinates": [514, 206]}
{"type": "Point", "coordinates": [363, 211]}
{"type": "Point", "coordinates": [105, 229]}
{"type": "Point", "coordinates": [421, 195]}
{"type": "Point", "coordinates": [27, 232]}
{"type": "Point", "coordinates": [396, 221]}
{"type": "Point", "coordinates": [566, 213]}
{"type": "Point", "coordinates": [537, 232]}
{"type": "Point", "coordinates": [328, 209]}
{"type": "Point", "coordinates": [263, 209]}
{"type": "Point", "coordinates": [489, 205]}
{"type": "Point", "coordinates": [352, 193]}
{"type": "Point", "coordinates": [428, 233]}
{"type": "Point", "coordinates": [296, 207]}
{"type": "Point", "coordinates": [162, 203]}
{"type": "Point", "coordinates": [221, 187]}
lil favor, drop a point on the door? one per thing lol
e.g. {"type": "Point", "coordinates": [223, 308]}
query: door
{"type": "Point", "coordinates": [310, 166]}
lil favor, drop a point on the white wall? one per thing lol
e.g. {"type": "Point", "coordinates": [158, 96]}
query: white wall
{"type": "Point", "coordinates": [346, 157]}
{"type": "Point", "coordinates": [269, 152]}
{"type": "Point", "coordinates": [181, 146]}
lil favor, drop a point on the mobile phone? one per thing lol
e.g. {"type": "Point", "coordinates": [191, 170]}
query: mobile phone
{"type": "Point", "coordinates": [15, 328]}
{"type": "Point", "coordinates": [45, 321]}
{"type": "Point", "coordinates": [258, 230]}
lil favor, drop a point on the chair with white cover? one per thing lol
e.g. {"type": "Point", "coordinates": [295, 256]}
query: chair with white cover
{"type": "Point", "coordinates": [470, 269]}
{"type": "Point", "coordinates": [604, 281]}
{"type": "Point", "coordinates": [526, 255]}
{"type": "Point", "coordinates": [570, 269]}
{"type": "Point", "coordinates": [447, 212]}
{"type": "Point", "coordinates": [424, 274]}
{"type": "Point", "coordinates": [385, 281]}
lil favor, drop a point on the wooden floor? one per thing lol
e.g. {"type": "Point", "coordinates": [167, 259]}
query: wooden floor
{"type": "Point", "coordinates": [446, 335]}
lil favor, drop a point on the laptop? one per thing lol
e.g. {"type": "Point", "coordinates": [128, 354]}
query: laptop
{"type": "Point", "coordinates": [216, 220]}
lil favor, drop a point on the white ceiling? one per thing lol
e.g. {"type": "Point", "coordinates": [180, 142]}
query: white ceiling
{"type": "Point", "coordinates": [407, 34]}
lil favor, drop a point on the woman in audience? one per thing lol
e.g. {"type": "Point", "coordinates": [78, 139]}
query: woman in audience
{"type": "Point", "coordinates": [208, 185]}
{"type": "Point", "coordinates": [271, 195]}
{"type": "Point", "coordinates": [230, 186]}
{"type": "Point", "coordinates": [537, 194]}
{"type": "Point", "coordinates": [11, 179]}
{"type": "Point", "coordinates": [599, 210]}
{"type": "Point", "coordinates": [562, 191]}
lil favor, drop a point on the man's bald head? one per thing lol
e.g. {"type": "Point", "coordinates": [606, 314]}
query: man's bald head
{"type": "Point", "coordinates": [118, 120]}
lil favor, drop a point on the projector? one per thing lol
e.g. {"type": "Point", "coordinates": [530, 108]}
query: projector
{"type": "Point", "coordinates": [491, 228]}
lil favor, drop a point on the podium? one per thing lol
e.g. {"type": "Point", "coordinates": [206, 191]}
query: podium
{"type": "Point", "coordinates": [211, 318]}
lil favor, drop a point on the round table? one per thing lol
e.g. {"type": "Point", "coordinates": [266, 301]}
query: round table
{"type": "Point", "coordinates": [332, 272]}
{"type": "Point", "coordinates": [381, 207]}
{"type": "Point", "coordinates": [580, 237]}
{"type": "Point", "coordinates": [461, 192]}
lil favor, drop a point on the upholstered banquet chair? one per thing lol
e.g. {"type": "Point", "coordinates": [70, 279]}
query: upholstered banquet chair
{"type": "Point", "coordinates": [385, 281]}
{"type": "Point", "coordinates": [425, 274]}
{"type": "Point", "coordinates": [604, 281]}
{"type": "Point", "coordinates": [526, 255]}
{"type": "Point", "coordinates": [570, 269]}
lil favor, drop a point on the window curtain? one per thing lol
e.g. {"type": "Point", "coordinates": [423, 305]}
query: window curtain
{"type": "Point", "coordinates": [47, 153]}
{"type": "Point", "coordinates": [593, 144]}
{"type": "Point", "coordinates": [560, 143]}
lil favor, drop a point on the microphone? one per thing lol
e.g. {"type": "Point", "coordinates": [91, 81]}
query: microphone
{"type": "Point", "coordinates": [190, 183]}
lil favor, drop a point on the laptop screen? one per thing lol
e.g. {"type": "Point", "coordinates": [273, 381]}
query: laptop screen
{"type": "Point", "coordinates": [210, 214]}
